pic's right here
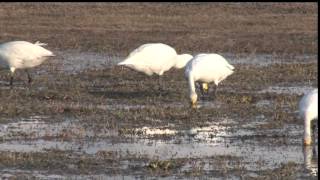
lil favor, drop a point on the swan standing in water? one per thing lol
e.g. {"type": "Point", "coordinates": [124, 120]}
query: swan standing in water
{"type": "Point", "coordinates": [308, 110]}
{"type": "Point", "coordinates": [22, 55]}
{"type": "Point", "coordinates": [155, 58]}
{"type": "Point", "coordinates": [206, 68]}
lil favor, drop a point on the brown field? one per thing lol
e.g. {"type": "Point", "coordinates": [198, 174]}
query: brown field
{"type": "Point", "coordinates": [110, 105]}
{"type": "Point", "coordinates": [189, 27]}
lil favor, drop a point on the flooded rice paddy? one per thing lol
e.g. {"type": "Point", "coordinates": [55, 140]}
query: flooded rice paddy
{"type": "Point", "coordinates": [96, 121]}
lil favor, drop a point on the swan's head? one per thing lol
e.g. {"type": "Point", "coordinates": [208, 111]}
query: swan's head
{"type": "Point", "coordinates": [307, 141]}
{"type": "Point", "coordinates": [182, 60]}
{"type": "Point", "coordinates": [193, 99]}
{"type": "Point", "coordinates": [126, 63]}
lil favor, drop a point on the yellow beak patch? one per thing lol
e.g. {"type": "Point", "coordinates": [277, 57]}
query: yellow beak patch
{"type": "Point", "coordinates": [205, 87]}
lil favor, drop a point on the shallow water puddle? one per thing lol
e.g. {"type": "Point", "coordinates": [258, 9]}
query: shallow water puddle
{"type": "Point", "coordinates": [310, 154]}
{"type": "Point", "coordinates": [209, 104]}
{"type": "Point", "coordinates": [4, 85]}
{"type": "Point", "coordinates": [299, 90]}
{"type": "Point", "coordinates": [271, 157]}
{"type": "Point", "coordinates": [214, 139]}
{"type": "Point", "coordinates": [11, 173]}
{"type": "Point", "coordinates": [269, 59]}
{"type": "Point", "coordinates": [36, 127]}
{"type": "Point", "coordinates": [74, 62]}
{"type": "Point", "coordinates": [264, 103]}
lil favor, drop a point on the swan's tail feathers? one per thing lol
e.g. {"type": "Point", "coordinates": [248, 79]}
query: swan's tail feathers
{"type": "Point", "coordinates": [51, 54]}
{"type": "Point", "coordinates": [48, 53]}
{"type": "Point", "coordinates": [230, 66]}
{"type": "Point", "coordinates": [123, 63]}
{"type": "Point", "coordinates": [40, 43]}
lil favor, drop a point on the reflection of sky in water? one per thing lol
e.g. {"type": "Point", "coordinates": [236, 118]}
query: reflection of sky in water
{"type": "Point", "coordinates": [73, 61]}
{"type": "Point", "coordinates": [300, 90]}
{"type": "Point", "coordinates": [271, 156]}
{"type": "Point", "coordinates": [34, 128]}
{"type": "Point", "coordinates": [213, 139]}
{"type": "Point", "coordinates": [7, 174]}
{"type": "Point", "coordinates": [310, 154]}
{"type": "Point", "coordinates": [269, 59]}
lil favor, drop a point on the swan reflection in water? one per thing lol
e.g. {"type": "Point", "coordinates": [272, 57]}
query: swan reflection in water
{"type": "Point", "coordinates": [310, 155]}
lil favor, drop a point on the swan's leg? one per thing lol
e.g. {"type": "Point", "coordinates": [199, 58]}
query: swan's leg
{"type": "Point", "coordinates": [154, 87]}
{"type": "Point", "coordinates": [215, 91]}
{"type": "Point", "coordinates": [11, 79]}
{"type": "Point", "coordinates": [159, 83]}
{"type": "Point", "coordinates": [197, 85]}
{"type": "Point", "coordinates": [12, 69]}
{"type": "Point", "coordinates": [200, 87]}
{"type": "Point", "coordinates": [313, 126]}
{"type": "Point", "coordinates": [160, 89]}
{"type": "Point", "coordinates": [29, 77]}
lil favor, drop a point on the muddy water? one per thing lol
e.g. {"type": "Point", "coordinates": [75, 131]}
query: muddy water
{"type": "Point", "coordinates": [299, 90]}
{"type": "Point", "coordinates": [215, 139]}
{"type": "Point", "coordinates": [269, 59]}
{"type": "Point", "coordinates": [73, 62]}
{"type": "Point", "coordinates": [215, 147]}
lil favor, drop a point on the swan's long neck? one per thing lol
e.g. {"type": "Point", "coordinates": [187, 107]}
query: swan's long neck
{"type": "Point", "coordinates": [307, 130]}
{"type": "Point", "coordinates": [181, 60]}
{"type": "Point", "coordinates": [192, 90]}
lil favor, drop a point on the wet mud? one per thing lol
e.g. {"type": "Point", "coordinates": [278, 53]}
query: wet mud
{"type": "Point", "coordinates": [83, 117]}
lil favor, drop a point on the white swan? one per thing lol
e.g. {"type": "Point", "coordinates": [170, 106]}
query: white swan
{"type": "Point", "coordinates": [155, 58]}
{"type": "Point", "coordinates": [205, 68]}
{"type": "Point", "coordinates": [21, 55]}
{"type": "Point", "coordinates": [308, 110]}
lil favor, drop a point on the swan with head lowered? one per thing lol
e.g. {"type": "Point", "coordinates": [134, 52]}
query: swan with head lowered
{"type": "Point", "coordinates": [308, 110]}
{"type": "Point", "coordinates": [155, 58]}
{"type": "Point", "coordinates": [22, 55]}
{"type": "Point", "coordinates": [206, 68]}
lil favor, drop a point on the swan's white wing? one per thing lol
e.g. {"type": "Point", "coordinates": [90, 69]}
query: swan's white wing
{"type": "Point", "coordinates": [209, 67]}
{"type": "Point", "coordinates": [155, 57]}
{"type": "Point", "coordinates": [40, 43]}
